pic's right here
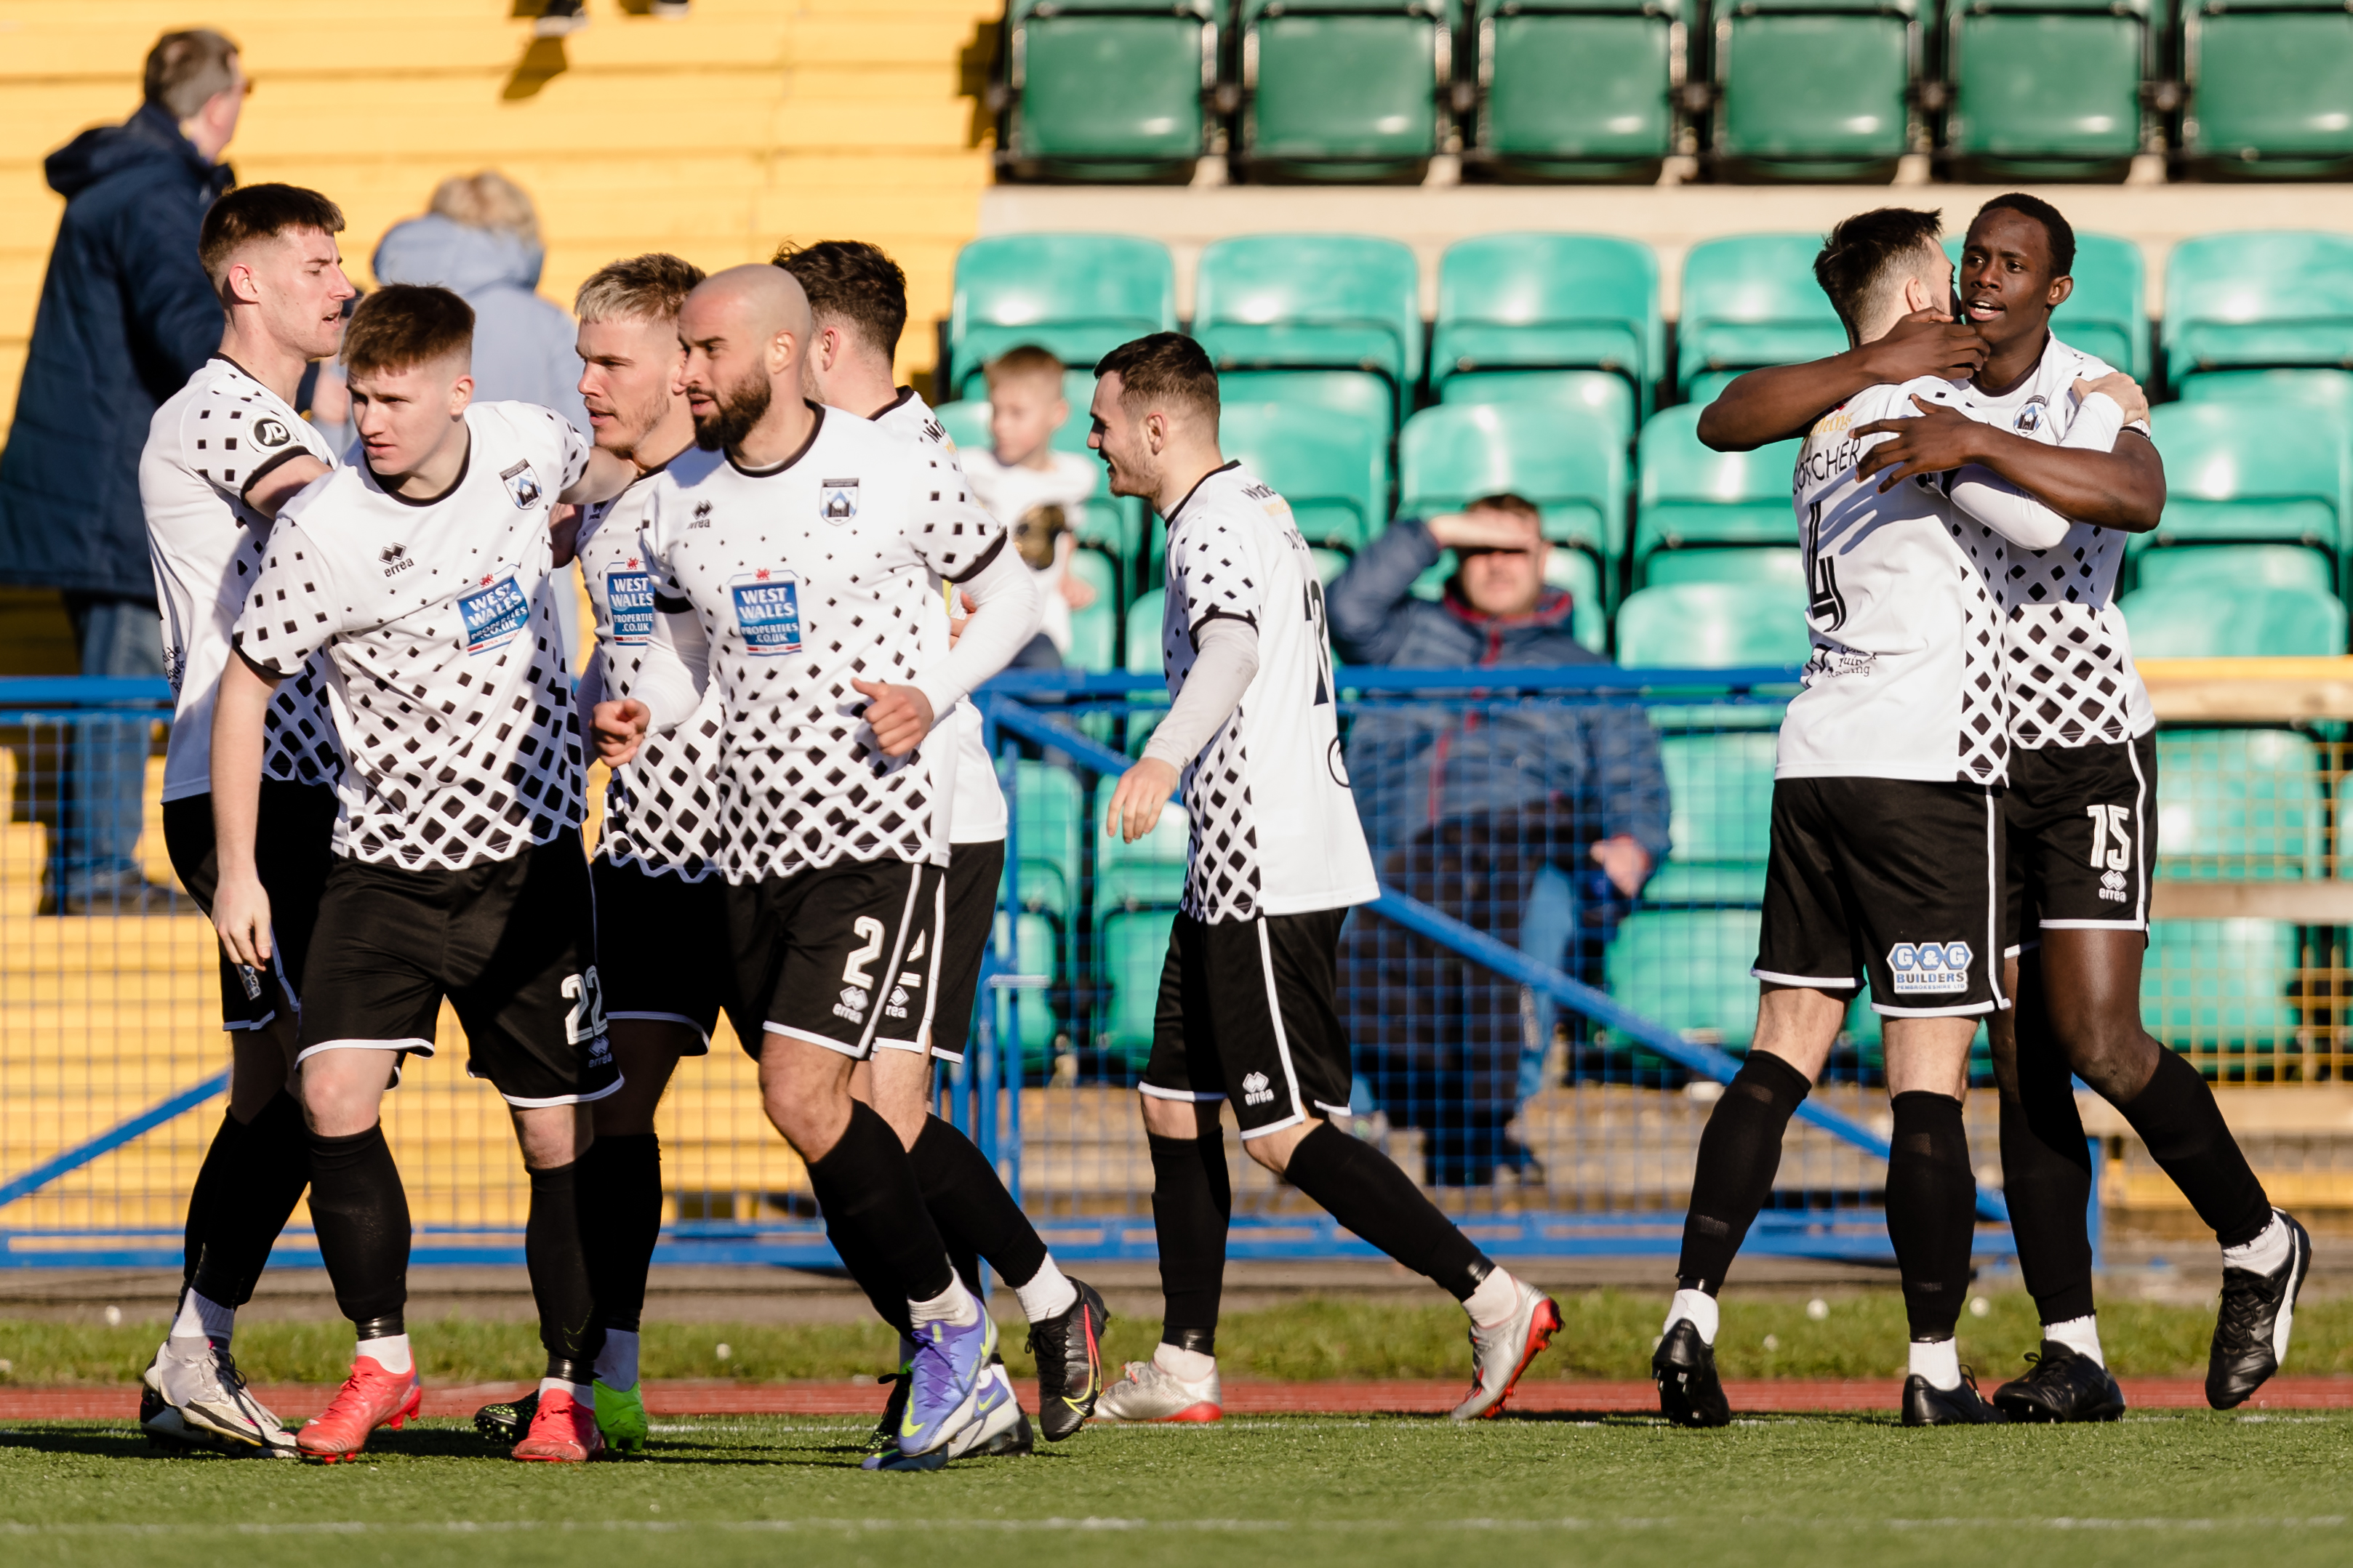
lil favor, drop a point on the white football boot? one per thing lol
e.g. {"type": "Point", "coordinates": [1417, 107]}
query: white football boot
{"type": "Point", "coordinates": [201, 1386]}
{"type": "Point", "coordinates": [1147, 1390]}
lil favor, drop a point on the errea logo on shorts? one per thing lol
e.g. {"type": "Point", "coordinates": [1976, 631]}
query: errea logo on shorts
{"type": "Point", "coordinates": [1255, 1089]}
{"type": "Point", "coordinates": [1930, 967]}
{"type": "Point", "coordinates": [852, 1005]}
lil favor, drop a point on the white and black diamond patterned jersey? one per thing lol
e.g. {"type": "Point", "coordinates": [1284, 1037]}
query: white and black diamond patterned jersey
{"type": "Point", "coordinates": [793, 580]}
{"type": "Point", "coordinates": [2067, 666]}
{"type": "Point", "coordinates": [445, 666]}
{"type": "Point", "coordinates": [977, 804]}
{"type": "Point", "coordinates": [661, 808]}
{"type": "Point", "coordinates": [1274, 826]}
{"type": "Point", "coordinates": [205, 447]}
{"type": "Point", "coordinates": [1904, 680]}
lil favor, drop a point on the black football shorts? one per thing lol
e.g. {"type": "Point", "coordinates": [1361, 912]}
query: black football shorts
{"type": "Point", "coordinates": [967, 924]}
{"type": "Point", "coordinates": [2082, 825]}
{"type": "Point", "coordinates": [1247, 1013]}
{"type": "Point", "coordinates": [845, 956]}
{"type": "Point", "coordinates": [661, 945]}
{"type": "Point", "coordinates": [293, 845]}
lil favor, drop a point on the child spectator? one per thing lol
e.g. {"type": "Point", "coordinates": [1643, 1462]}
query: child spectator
{"type": "Point", "coordinates": [1035, 490]}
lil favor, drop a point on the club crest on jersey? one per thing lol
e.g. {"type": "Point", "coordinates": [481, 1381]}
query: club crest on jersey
{"type": "Point", "coordinates": [2030, 418]}
{"type": "Point", "coordinates": [495, 612]}
{"type": "Point", "coordinates": [629, 590]}
{"type": "Point", "coordinates": [1930, 968]}
{"type": "Point", "coordinates": [836, 499]}
{"type": "Point", "coordinates": [522, 484]}
{"type": "Point", "coordinates": [767, 612]}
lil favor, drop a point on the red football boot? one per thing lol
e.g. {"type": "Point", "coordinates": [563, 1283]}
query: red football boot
{"type": "Point", "coordinates": [562, 1432]}
{"type": "Point", "coordinates": [371, 1398]}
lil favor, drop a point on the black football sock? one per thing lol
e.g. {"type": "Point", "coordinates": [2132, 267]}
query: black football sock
{"type": "Point", "coordinates": [1932, 1198]}
{"type": "Point", "coordinates": [265, 1173]}
{"type": "Point", "coordinates": [866, 1183]}
{"type": "Point", "coordinates": [215, 1175]}
{"type": "Point", "coordinates": [969, 1204]}
{"type": "Point", "coordinates": [1192, 1203]}
{"type": "Point", "coordinates": [2046, 1177]}
{"type": "Point", "coordinates": [361, 1212]}
{"type": "Point", "coordinates": [863, 1262]}
{"type": "Point", "coordinates": [1362, 1188]}
{"type": "Point", "coordinates": [2177, 1117]}
{"type": "Point", "coordinates": [556, 1251]}
{"type": "Point", "coordinates": [1739, 1154]}
{"type": "Point", "coordinates": [621, 1192]}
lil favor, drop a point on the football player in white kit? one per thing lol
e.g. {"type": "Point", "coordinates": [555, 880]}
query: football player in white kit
{"type": "Point", "coordinates": [1248, 1007]}
{"type": "Point", "coordinates": [222, 456]}
{"type": "Point", "coordinates": [858, 304]}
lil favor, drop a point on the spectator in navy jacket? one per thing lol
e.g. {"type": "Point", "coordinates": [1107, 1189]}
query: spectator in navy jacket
{"type": "Point", "coordinates": [1467, 806]}
{"type": "Point", "coordinates": [126, 316]}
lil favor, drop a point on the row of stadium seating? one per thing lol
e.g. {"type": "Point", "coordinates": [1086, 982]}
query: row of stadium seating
{"type": "Point", "coordinates": [1607, 90]}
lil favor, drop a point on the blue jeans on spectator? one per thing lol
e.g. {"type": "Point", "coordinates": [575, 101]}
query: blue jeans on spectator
{"type": "Point", "coordinates": [104, 789]}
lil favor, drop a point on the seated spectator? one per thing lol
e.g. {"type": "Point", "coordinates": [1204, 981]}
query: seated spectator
{"type": "Point", "coordinates": [1467, 804]}
{"type": "Point", "coordinates": [1034, 490]}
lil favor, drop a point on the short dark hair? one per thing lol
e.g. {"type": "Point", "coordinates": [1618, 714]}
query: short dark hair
{"type": "Point", "coordinates": [251, 213]}
{"type": "Point", "coordinates": [2057, 230]}
{"type": "Point", "coordinates": [1507, 500]}
{"type": "Point", "coordinates": [405, 324]}
{"type": "Point", "coordinates": [1859, 259]}
{"type": "Point", "coordinates": [648, 288]}
{"type": "Point", "coordinates": [186, 70]}
{"type": "Point", "coordinates": [1165, 367]}
{"type": "Point", "coordinates": [850, 280]}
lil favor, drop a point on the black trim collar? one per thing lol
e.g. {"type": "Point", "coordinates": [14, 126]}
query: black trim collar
{"type": "Point", "coordinates": [775, 469]}
{"type": "Point", "coordinates": [1227, 467]}
{"type": "Point", "coordinates": [906, 396]}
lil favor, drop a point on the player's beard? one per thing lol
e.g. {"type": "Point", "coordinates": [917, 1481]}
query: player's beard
{"type": "Point", "coordinates": [737, 409]}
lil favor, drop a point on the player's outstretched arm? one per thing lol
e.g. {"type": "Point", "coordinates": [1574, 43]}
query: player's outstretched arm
{"type": "Point", "coordinates": [1784, 401]}
{"type": "Point", "coordinates": [240, 904]}
{"type": "Point", "coordinates": [606, 477]}
{"type": "Point", "coordinates": [1225, 661]}
{"type": "Point", "coordinates": [2123, 489]}
{"type": "Point", "coordinates": [277, 485]}
{"type": "Point", "coordinates": [2021, 517]}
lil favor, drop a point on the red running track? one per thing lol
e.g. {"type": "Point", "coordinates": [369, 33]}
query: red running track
{"type": "Point", "coordinates": [120, 1402]}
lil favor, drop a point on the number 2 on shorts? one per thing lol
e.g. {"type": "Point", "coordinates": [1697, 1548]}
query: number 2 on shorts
{"type": "Point", "coordinates": [854, 972]}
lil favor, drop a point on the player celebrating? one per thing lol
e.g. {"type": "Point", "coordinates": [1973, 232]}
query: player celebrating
{"type": "Point", "coordinates": [427, 580]}
{"type": "Point", "coordinates": [1247, 1006]}
{"type": "Point", "coordinates": [858, 304]}
{"type": "Point", "coordinates": [796, 577]}
{"type": "Point", "coordinates": [2083, 763]}
{"type": "Point", "coordinates": [222, 456]}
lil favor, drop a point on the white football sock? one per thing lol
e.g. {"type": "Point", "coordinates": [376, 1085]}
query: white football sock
{"type": "Point", "coordinates": [1191, 1366]}
{"type": "Point", "coordinates": [1049, 1294]}
{"type": "Point", "coordinates": [616, 1363]}
{"type": "Point", "coordinates": [390, 1353]}
{"type": "Point", "coordinates": [583, 1393]}
{"type": "Point", "coordinates": [2267, 1253]}
{"type": "Point", "coordinates": [952, 1305]}
{"type": "Point", "coordinates": [2080, 1335]}
{"type": "Point", "coordinates": [1696, 1308]}
{"type": "Point", "coordinates": [1938, 1361]}
{"type": "Point", "coordinates": [1495, 1300]}
{"type": "Point", "coordinates": [200, 1318]}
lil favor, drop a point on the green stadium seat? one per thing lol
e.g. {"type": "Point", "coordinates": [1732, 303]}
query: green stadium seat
{"type": "Point", "coordinates": [1141, 642]}
{"type": "Point", "coordinates": [2329, 388]}
{"type": "Point", "coordinates": [2238, 806]}
{"type": "Point", "coordinates": [1080, 295]}
{"type": "Point", "coordinates": [1688, 969]}
{"type": "Point", "coordinates": [1094, 631]}
{"type": "Point", "coordinates": [2221, 988]}
{"type": "Point", "coordinates": [1595, 393]}
{"type": "Point", "coordinates": [1329, 466]}
{"type": "Point", "coordinates": [1342, 309]}
{"type": "Point", "coordinates": [1344, 90]}
{"type": "Point", "coordinates": [2269, 83]}
{"type": "Point", "coordinates": [2047, 88]}
{"type": "Point", "coordinates": [1049, 808]}
{"type": "Point", "coordinates": [1816, 89]}
{"type": "Point", "coordinates": [2204, 620]}
{"type": "Point", "coordinates": [1690, 495]}
{"type": "Point", "coordinates": [1133, 949]}
{"type": "Point", "coordinates": [2249, 472]}
{"type": "Point", "coordinates": [2258, 299]}
{"type": "Point", "coordinates": [1713, 625]}
{"type": "Point", "coordinates": [1574, 471]}
{"type": "Point", "coordinates": [1571, 570]}
{"type": "Point", "coordinates": [1751, 300]}
{"type": "Point", "coordinates": [1521, 302]}
{"type": "Point", "coordinates": [1107, 90]}
{"type": "Point", "coordinates": [2236, 565]}
{"type": "Point", "coordinates": [1721, 787]}
{"type": "Point", "coordinates": [1027, 945]}
{"type": "Point", "coordinates": [1777, 564]}
{"type": "Point", "coordinates": [1146, 874]}
{"type": "Point", "coordinates": [1626, 58]}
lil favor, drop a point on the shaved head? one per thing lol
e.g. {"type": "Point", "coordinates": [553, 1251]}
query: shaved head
{"type": "Point", "coordinates": [745, 331]}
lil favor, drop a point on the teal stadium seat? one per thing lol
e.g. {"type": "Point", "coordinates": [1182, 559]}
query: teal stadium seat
{"type": "Point", "coordinates": [1621, 121]}
{"type": "Point", "coordinates": [2269, 83]}
{"type": "Point", "coordinates": [1574, 471]}
{"type": "Point", "coordinates": [2220, 989]}
{"type": "Point", "coordinates": [1599, 394]}
{"type": "Point", "coordinates": [1048, 807]}
{"type": "Point", "coordinates": [1722, 788]}
{"type": "Point", "coordinates": [1783, 568]}
{"type": "Point", "coordinates": [1816, 89]}
{"type": "Point", "coordinates": [1688, 969]}
{"type": "Point", "coordinates": [1547, 307]}
{"type": "Point", "coordinates": [2258, 299]}
{"type": "Point", "coordinates": [1108, 89]}
{"type": "Point", "coordinates": [1713, 625]}
{"type": "Point", "coordinates": [1131, 951]}
{"type": "Point", "coordinates": [1331, 468]}
{"type": "Point", "coordinates": [1688, 495]}
{"type": "Point", "coordinates": [2238, 806]}
{"type": "Point", "coordinates": [2253, 472]}
{"type": "Point", "coordinates": [1751, 300]}
{"type": "Point", "coordinates": [1344, 90]}
{"type": "Point", "coordinates": [1141, 644]}
{"type": "Point", "coordinates": [2236, 565]}
{"type": "Point", "coordinates": [1080, 295]}
{"type": "Point", "coordinates": [1329, 319]}
{"type": "Point", "coordinates": [2329, 388]}
{"type": "Point", "coordinates": [2206, 620]}
{"type": "Point", "coordinates": [2046, 89]}
{"type": "Point", "coordinates": [1094, 631]}
{"type": "Point", "coordinates": [1146, 874]}
{"type": "Point", "coordinates": [1026, 946]}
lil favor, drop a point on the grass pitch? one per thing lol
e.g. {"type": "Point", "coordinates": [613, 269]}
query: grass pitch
{"type": "Point", "coordinates": [1816, 1491]}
